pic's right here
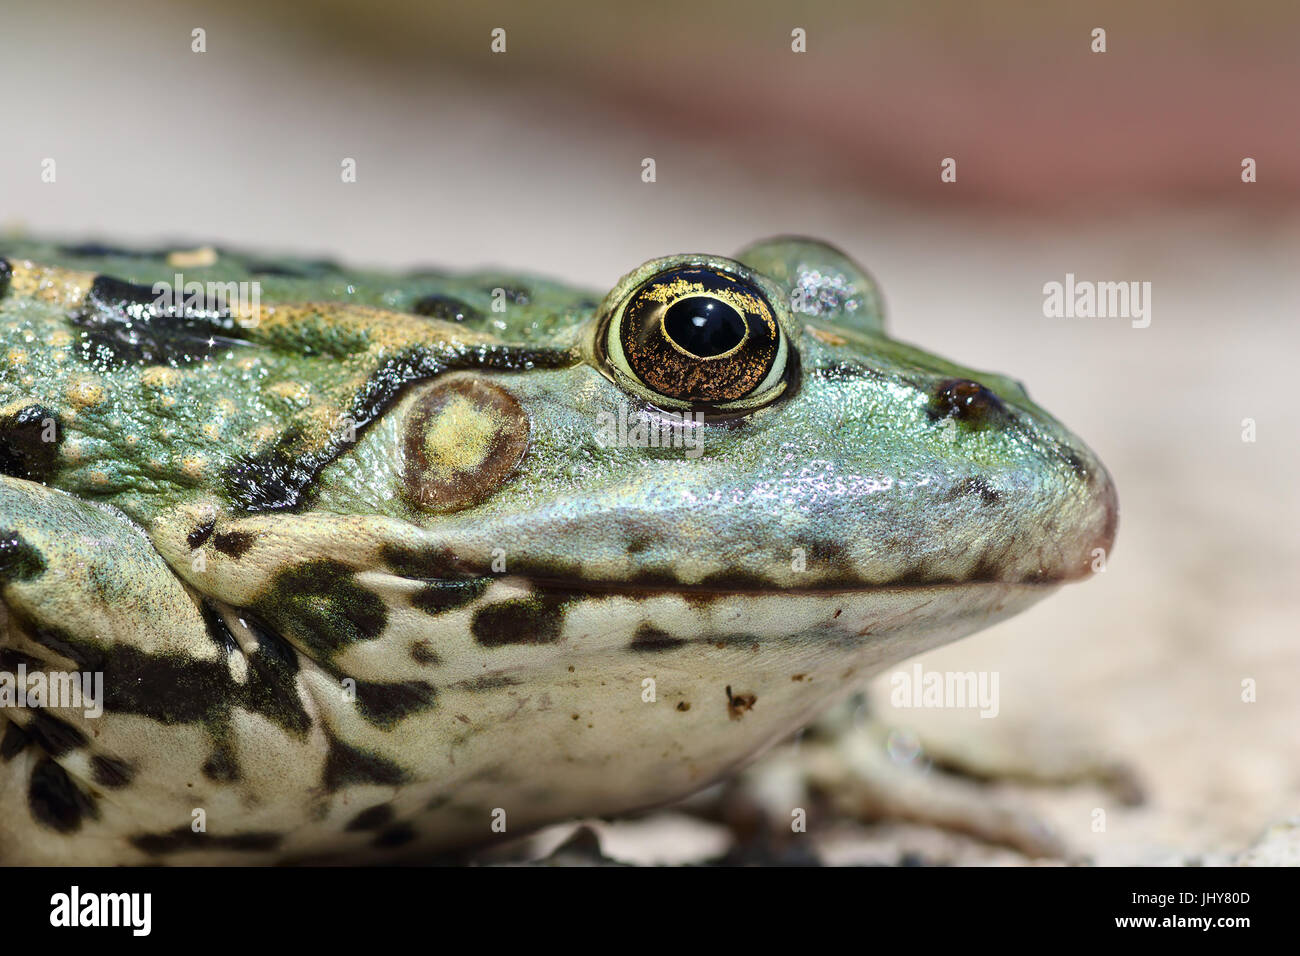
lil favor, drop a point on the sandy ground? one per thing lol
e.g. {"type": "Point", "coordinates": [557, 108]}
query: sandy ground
{"type": "Point", "coordinates": [1145, 662]}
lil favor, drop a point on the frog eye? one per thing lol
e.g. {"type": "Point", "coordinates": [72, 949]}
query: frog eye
{"type": "Point", "coordinates": [697, 336]}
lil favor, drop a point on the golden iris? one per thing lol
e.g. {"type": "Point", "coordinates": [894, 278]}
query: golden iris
{"type": "Point", "coordinates": [698, 335]}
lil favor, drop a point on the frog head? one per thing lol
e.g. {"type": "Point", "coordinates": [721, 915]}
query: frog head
{"type": "Point", "coordinates": [725, 479]}
{"type": "Point", "coordinates": [565, 556]}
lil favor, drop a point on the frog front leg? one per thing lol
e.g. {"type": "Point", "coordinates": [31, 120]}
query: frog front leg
{"type": "Point", "coordinates": [147, 737]}
{"type": "Point", "coordinates": [854, 766]}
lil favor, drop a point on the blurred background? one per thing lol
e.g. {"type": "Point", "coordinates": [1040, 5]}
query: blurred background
{"type": "Point", "coordinates": [1117, 166]}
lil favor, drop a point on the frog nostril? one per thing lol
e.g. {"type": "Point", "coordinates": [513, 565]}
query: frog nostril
{"type": "Point", "coordinates": [965, 401]}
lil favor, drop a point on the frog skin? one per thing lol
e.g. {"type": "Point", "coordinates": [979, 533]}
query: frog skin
{"type": "Point", "coordinates": [367, 575]}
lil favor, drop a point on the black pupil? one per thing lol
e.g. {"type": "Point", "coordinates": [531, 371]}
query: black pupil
{"type": "Point", "coordinates": [704, 326]}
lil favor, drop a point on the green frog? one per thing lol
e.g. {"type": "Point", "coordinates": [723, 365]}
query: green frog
{"type": "Point", "coordinates": [363, 565]}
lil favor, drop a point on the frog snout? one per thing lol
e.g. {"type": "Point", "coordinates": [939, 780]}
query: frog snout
{"type": "Point", "coordinates": [1085, 523]}
{"type": "Point", "coordinates": [1107, 503]}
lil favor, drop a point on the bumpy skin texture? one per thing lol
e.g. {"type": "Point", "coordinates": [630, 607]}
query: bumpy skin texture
{"type": "Point", "coordinates": [365, 576]}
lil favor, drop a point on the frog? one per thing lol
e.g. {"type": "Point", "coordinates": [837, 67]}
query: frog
{"type": "Point", "coordinates": [374, 565]}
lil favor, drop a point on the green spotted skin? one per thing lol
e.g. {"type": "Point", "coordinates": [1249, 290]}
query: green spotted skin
{"type": "Point", "coordinates": [365, 577]}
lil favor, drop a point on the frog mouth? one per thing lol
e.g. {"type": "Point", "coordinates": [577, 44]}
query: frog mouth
{"type": "Point", "coordinates": [1038, 542]}
{"type": "Point", "coordinates": [1078, 562]}
{"type": "Point", "coordinates": [748, 585]}
{"type": "Point", "coordinates": [1079, 556]}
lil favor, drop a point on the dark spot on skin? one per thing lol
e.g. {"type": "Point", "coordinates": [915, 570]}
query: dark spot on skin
{"type": "Point", "coordinates": [15, 739]}
{"type": "Point", "coordinates": [6, 274]}
{"type": "Point", "coordinates": [487, 682]}
{"type": "Point", "coordinates": [321, 604]}
{"type": "Point", "coordinates": [649, 639]}
{"type": "Point", "coordinates": [548, 571]}
{"type": "Point", "coordinates": [425, 563]}
{"type": "Point", "coordinates": [739, 704]}
{"type": "Point", "coordinates": [234, 544]}
{"type": "Point", "coordinates": [346, 765]}
{"type": "Point", "coordinates": [110, 772]}
{"type": "Point", "coordinates": [19, 561]}
{"type": "Point", "coordinates": [974, 486]}
{"type": "Point", "coordinates": [797, 676]}
{"type": "Point", "coordinates": [683, 706]}
{"type": "Point", "coordinates": [278, 478]}
{"type": "Point", "coordinates": [125, 324]}
{"type": "Point", "coordinates": [320, 267]}
{"type": "Point", "coordinates": [197, 537]}
{"type": "Point", "coordinates": [371, 818]}
{"type": "Point", "coordinates": [536, 619]}
{"type": "Point", "coordinates": [55, 801]}
{"type": "Point", "coordinates": [386, 705]}
{"type": "Point", "coordinates": [24, 452]}
{"type": "Point", "coordinates": [967, 402]}
{"type": "Point", "coordinates": [183, 838]}
{"type": "Point", "coordinates": [177, 689]}
{"type": "Point", "coordinates": [110, 293]}
{"type": "Point", "coordinates": [439, 596]}
{"type": "Point", "coordinates": [986, 568]}
{"type": "Point", "coordinates": [394, 836]}
{"type": "Point", "coordinates": [734, 580]}
{"type": "Point", "coordinates": [222, 765]}
{"type": "Point", "coordinates": [271, 688]}
{"type": "Point", "coordinates": [100, 250]}
{"type": "Point", "coordinates": [272, 269]}
{"type": "Point", "coordinates": [170, 689]}
{"type": "Point", "coordinates": [422, 652]}
{"type": "Point", "coordinates": [56, 737]}
{"type": "Point", "coordinates": [638, 543]}
{"type": "Point", "coordinates": [823, 552]}
{"type": "Point", "coordinates": [445, 307]}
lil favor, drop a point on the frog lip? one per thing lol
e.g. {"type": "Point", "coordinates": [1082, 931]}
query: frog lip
{"type": "Point", "coordinates": [1064, 545]}
{"type": "Point", "coordinates": [747, 586]}
{"type": "Point", "coordinates": [1072, 559]}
